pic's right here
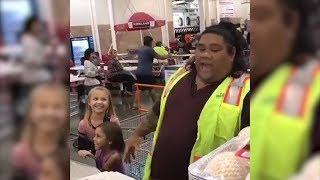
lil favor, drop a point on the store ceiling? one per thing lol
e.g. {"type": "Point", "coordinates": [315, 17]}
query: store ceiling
{"type": "Point", "coordinates": [176, 2]}
{"type": "Point", "coordinates": [184, 0]}
{"type": "Point", "coordinates": [187, 4]}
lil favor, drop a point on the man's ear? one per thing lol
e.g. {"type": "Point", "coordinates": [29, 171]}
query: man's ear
{"type": "Point", "coordinates": [292, 22]}
{"type": "Point", "coordinates": [233, 53]}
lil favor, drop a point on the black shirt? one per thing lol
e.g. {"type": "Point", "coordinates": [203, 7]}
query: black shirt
{"type": "Point", "coordinates": [315, 135]}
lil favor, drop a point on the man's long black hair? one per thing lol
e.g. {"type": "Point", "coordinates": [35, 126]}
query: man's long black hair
{"type": "Point", "coordinates": [306, 10]}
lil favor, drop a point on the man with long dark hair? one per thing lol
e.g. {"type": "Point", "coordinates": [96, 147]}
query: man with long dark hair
{"type": "Point", "coordinates": [200, 108]}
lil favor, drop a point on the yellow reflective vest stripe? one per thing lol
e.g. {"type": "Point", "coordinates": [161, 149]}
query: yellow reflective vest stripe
{"type": "Point", "coordinates": [281, 114]}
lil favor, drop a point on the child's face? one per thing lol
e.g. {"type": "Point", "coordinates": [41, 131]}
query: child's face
{"type": "Point", "coordinates": [48, 110]}
{"type": "Point", "coordinates": [100, 140]}
{"type": "Point", "coordinates": [50, 171]}
{"type": "Point", "coordinates": [99, 101]}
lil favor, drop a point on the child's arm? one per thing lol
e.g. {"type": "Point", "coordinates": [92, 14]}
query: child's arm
{"type": "Point", "coordinates": [18, 162]}
{"type": "Point", "coordinates": [112, 162]}
{"type": "Point", "coordinates": [85, 153]}
{"type": "Point", "coordinates": [115, 119]}
{"type": "Point", "coordinates": [84, 143]}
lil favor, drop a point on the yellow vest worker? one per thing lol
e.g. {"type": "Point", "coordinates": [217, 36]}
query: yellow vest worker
{"type": "Point", "coordinates": [219, 120]}
{"type": "Point", "coordinates": [200, 109]}
{"type": "Point", "coordinates": [161, 50]}
{"type": "Point", "coordinates": [282, 110]}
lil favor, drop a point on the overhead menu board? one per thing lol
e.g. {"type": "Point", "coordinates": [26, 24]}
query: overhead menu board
{"type": "Point", "coordinates": [227, 8]}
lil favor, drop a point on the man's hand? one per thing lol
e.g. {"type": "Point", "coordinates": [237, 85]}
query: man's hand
{"type": "Point", "coordinates": [190, 62]}
{"type": "Point", "coordinates": [156, 73]}
{"type": "Point", "coordinates": [132, 144]}
{"type": "Point", "coordinates": [145, 127]}
{"type": "Point", "coordinates": [115, 119]}
{"type": "Point", "coordinates": [85, 153]}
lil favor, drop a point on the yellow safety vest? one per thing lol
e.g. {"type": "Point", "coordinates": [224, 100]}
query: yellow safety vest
{"type": "Point", "coordinates": [219, 120]}
{"type": "Point", "coordinates": [281, 113]}
{"type": "Point", "coordinates": [161, 51]}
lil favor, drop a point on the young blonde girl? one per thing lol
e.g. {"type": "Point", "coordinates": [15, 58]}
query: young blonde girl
{"type": "Point", "coordinates": [99, 110]}
{"type": "Point", "coordinates": [46, 130]}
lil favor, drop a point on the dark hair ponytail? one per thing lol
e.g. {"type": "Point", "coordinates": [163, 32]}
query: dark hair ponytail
{"type": "Point", "coordinates": [308, 12]}
{"type": "Point", "coordinates": [87, 53]}
{"type": "Point", "coordinates": [29, 22]}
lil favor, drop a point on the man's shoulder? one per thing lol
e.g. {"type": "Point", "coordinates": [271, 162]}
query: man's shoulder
{"type": "Point", "coordinates": [145, 49]}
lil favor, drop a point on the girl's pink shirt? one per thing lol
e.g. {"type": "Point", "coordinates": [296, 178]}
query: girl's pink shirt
{"type": "Point", "coordinates": [24, 160]}
{"type": "Point", "coordinates": [85, 128]}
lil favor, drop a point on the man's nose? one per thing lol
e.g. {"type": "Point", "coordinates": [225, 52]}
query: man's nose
{"type": "Point", "coordinates": [204, 54]}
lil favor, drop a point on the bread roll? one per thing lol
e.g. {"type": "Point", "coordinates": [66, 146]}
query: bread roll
{"type": "Point", "coordinates": [228, 166]}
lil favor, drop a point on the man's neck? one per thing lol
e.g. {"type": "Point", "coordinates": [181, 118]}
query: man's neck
{"type": "Point", "coordinates": [201, 83]}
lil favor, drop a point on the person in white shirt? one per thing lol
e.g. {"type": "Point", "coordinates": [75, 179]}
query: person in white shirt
{"type": "Point", "coordinates": [91, 72]}
{"type": "Point", "coordinates": [34, 52]}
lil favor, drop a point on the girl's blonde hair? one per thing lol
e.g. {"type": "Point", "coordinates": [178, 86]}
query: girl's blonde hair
{"type": "Point", "coordinates": [110, 111]}
{"type": "Point", "coordinates": [29, 129]}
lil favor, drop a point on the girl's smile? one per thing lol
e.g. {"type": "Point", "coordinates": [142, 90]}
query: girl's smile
{"type": "Point", "coordinates": [100, 139]}
{"type": "Point", "coordinates": [99, 101]}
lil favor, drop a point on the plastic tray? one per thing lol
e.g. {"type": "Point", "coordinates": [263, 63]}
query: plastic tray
{"type": "Point", "coordinates": [196, 169]}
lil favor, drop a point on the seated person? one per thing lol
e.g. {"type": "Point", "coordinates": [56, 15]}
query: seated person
{"type": "Point", "coordinates": [86, 55]}
{"type": "Point", "coordinates": [116, 73]}
{"type": "Point", "coordinates": [92, 72]}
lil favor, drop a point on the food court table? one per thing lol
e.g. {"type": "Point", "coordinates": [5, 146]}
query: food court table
{"type": "Point", "coordinates": [10, 69]}
{"type": "Point", "coordinates": [77, 68]}
{"type": "Point", "coordinates": [80, 171]}
{"type": "Point", "coordinates": [135, 61]}
{"type": "Point", "coordinates": [181, 55]}
{"type": "Point", "coordinates": [122, 54]}
{"type": "Point", "coordinates": [130, 68]}
{"type": "Point", "coordinates": [169, 70]}
{"type": "Point", "coordinates": [75, 81]}
{"type": "Point", "coordinates": [81, 68]}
